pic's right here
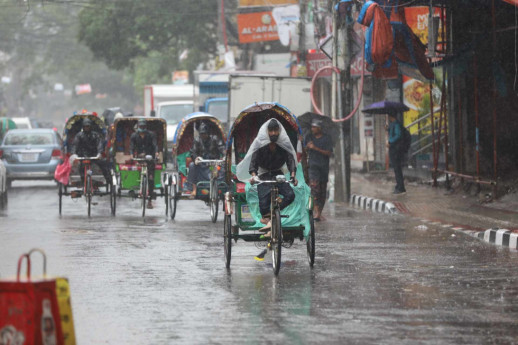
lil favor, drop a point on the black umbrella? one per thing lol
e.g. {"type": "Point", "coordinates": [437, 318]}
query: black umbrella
{"type": "Point", "coordinates": [328, 126]}
{"type": "Point", "coordinates": [385, 107]}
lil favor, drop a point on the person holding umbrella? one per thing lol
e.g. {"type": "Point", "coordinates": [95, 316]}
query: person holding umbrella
{"type": "Point", "coordinates": [396, 141]}
{"type": "Point", "coordinates": [396, 151]}
{"type": "Point", "coordinates": [320, 148]}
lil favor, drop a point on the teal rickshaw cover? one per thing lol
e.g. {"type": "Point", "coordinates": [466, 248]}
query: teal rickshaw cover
{"type": "Point", "coordinates": [297, 210]}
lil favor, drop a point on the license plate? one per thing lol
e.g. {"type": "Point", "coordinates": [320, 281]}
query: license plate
{"type": "Point", "coordinates": [29, 157]}
{"type": "Point", "coordinates": [246, 215]}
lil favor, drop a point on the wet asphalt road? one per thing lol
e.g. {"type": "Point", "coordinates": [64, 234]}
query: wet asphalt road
{"type": "Point", "coordinates": [377, 279]}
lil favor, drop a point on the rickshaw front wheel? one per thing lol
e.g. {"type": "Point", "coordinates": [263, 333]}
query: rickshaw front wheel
{"type": "Point", "coordinates": [310, 240]}
{"type": "Point", "coordinates": [60, 195]}
{"type": "Point", "coordinates": [227, 237]}
{"type": "Point", "coordinates": [276, 241]}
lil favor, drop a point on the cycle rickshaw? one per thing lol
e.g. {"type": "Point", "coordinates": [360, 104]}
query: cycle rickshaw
{"type": "Point", "coordinates": [242, 202]}
{"type": "Point", "coordinates": [131, 173]}
{"type": "Point", "coordinates": [209, 191]}
{"type": "Point", "coordinates": [94, 181]}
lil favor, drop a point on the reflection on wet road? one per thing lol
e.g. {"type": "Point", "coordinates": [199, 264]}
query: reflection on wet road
{"type": "Point", "coordinates": [377, 279]}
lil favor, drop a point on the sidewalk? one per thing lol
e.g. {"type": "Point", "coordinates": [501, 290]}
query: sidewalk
{"type": "Point", "coordinates": [457, 210]}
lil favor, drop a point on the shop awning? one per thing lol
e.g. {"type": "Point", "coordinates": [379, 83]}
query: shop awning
{"type": "Point", "coordinates": [512, 2]}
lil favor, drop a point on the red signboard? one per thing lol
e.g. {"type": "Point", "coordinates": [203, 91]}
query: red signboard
{"type": "Point", "coordinates": [315, 61]}
{"type": "Point", "coordinates": [257, 27]}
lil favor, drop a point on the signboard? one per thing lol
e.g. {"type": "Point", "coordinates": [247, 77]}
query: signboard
{"type": "Point", "coordinates": [417, 19]}
{"type": "Point", "coordinates": [266, 3]}
{"type": "Point", "coordinates": [180, 77]}
{"type": "Point", "coordinates": [315, 61]}
{"type": "Point", "coordinates": [83, 89]}
{"type": "Point", "coordinates": [257, 27]}
{"type": "Point", "coordinates": [368, 125]}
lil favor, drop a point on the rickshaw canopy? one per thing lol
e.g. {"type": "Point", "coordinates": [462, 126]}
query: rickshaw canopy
{"type": "Point", "coordinates": [184, 134]}
{"type": "Point", "coordinates": [126, 126]}
{"type": "Point", "coordinates": [74, 125]}
{"type": "Point", "coordinates": [247, 124]}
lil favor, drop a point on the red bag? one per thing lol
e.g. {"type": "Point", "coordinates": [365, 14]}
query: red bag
{"type": "Point", "coordinates": [62, 173]}
{"type": "Point", "coordinates": [29, 310]}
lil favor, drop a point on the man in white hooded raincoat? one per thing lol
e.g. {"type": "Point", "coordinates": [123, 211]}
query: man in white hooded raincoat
{"type": "Point", "coordinates": [268, 154]}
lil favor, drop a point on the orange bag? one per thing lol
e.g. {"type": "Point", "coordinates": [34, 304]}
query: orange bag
{"type": "Point", "coordinates": [30, 309]}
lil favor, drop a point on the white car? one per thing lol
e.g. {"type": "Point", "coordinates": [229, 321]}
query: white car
{"type": "Point", "coordinates": [22, 122]}
{"type": "Point", "coordinates": [3, 184]}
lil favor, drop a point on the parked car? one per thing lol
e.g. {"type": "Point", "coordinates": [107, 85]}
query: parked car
{"type": "Point", "coordinates": [3, 185]}
{"type": "Point", "coordinates": [31, 154]}
{"type": "Point", "coordinates": [23, 122]}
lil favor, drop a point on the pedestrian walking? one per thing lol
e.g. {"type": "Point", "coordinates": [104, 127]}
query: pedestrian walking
{"type": "Point", "coordinates": [320, 148]}
{"type": "Point", "coordinates": [396, 151]}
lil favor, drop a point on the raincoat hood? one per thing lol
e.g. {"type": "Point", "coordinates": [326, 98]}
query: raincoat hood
{"type": "Point", "coordinates": [262, 140]}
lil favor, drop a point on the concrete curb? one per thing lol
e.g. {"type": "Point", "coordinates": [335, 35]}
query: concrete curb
{"type": "Point", "coordinates": [372, 204]}
{"type": "Point", "coordinates": [499, 237]}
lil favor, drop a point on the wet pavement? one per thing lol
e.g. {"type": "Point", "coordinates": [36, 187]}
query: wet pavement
{"type": "Point", "coordinates": [455, 207]}
{"type": "Point", "coordinates": [377, 279]}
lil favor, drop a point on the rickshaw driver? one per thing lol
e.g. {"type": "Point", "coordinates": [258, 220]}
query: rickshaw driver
{"type": "Point", "coordinates": [88, 143]}
{"type": "Point", "coordinates": [267, 162]}
{"type": "Point", "coordinates": [142, 143]}
{"type": "Point", "coordinates": [205, 147]}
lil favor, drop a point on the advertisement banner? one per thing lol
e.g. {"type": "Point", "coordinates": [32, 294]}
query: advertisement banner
{"type": "Point", "coordinates": [257, 27]}
{"type": "Point", "coordinates": [266, 3]}
{"type": "Point", "coordinates": [416, 96]}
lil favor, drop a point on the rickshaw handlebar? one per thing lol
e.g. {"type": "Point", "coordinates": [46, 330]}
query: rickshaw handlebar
{"type": "Point", "coordinates": [96, 158]}
{"type": "Point", "coordinates": [211, 161]}
{"type": "Point", "coordinates": [146, 159]}
{"type": "Point", "coordinates": [275, 181]}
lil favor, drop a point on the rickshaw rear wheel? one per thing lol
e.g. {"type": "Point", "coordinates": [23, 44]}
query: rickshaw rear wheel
{"type": "Point", "coordinates": [227, 238]}
{"type": "Point", "coordinates": [113, 198]}
{"type": "Point", "coordinates": [89, 193]}
{"type": "Point", "coordinates": [172, 200]}
{"type": "Point", "coordinates": [310, 241]}
{"type": "Point", "coordinates": [60, 195]}
{"type": "Point", "coordinates": [214, 201]}
{"type": "Point", "coordinates": [276, 241]}
{"type": "Point", "coordinates": [165, 193]}
{"type": "Point", "coordinates": [144, 195]}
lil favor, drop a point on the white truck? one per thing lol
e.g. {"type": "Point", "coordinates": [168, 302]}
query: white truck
{"type": "Point", "coordinates": [291, 92]}
{"type": "Point", "coordinates": [156, 94]}
{"type": "Point", "coordinates": [170, 102]}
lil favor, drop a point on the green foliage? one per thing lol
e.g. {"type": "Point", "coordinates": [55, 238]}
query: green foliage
{"type": "Point", "coordinates": [120, 33]}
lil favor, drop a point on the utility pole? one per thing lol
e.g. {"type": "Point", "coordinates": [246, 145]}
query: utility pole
{"type": "Point", "coordinates": [342, 43]}
{"type": "Point", "coordinates": [339, 167]}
